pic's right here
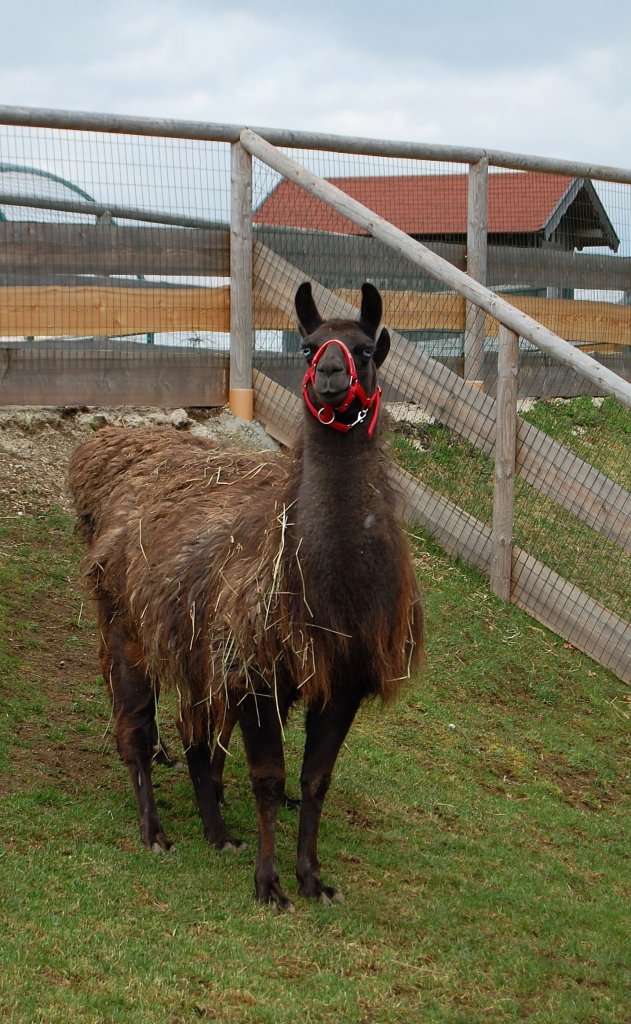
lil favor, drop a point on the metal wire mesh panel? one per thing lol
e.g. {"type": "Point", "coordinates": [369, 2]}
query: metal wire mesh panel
{"type": "Point", "coordinates": [572, 504]}
{"type": "Point", "coordinates": [598, 432]}
{"type": "Point", "coordinates": [114, 267]}
{"type": "Point", "coordinates": [115, 285]}
{"type": "Point", "coordinates": [556, 247]}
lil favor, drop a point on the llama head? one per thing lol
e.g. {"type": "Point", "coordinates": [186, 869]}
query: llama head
{"type": "Point", "coordinates": [357, 355]}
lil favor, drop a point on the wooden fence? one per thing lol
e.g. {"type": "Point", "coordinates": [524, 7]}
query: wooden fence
{"type": "Point", "coordinates": [44, 293]}
{"type": "Point", "coordinates": [65, 288]}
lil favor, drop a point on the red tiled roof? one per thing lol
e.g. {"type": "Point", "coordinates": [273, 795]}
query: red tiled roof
{"type": "Point", "coordinates": [425, 204]}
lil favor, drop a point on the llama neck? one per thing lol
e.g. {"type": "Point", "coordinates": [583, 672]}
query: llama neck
{"type": "Point", "coordinates": [346, 553]}
{"type": "Point", "coordinates": [338, 469]}
{"type": "Point", "coordinates": [344, 503]}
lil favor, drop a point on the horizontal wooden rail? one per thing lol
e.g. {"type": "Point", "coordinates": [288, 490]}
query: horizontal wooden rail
{"type": "Point", "coordinates": [41, 249]}
{"type": "Point", "coordinates": [125, 124]}
{"type": "Point", "coordinates": [100, 374]}
{"type": "Point", "coordinates": [50, 311]}
{"type": "Point", "coordinates": [601, 325]}
{"type": "Point", "coordinates": [114, 307]}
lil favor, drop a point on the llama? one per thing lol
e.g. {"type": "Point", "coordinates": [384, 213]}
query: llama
{"type": "Point", "coordinates": [248, 582]}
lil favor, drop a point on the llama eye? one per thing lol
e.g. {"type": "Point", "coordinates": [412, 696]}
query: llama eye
{"type": "Point", "coordinates": [306, 351]}
{"type": "Point", "coordinates": [368, 353]}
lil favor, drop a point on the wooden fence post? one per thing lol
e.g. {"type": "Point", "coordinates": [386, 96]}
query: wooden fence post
{"type": "Point", "coordinates": [477, 246]}
{"type": "Point", "coordinates": [505, 445]}
{"type": "Point", "coordinates": [241, 394]}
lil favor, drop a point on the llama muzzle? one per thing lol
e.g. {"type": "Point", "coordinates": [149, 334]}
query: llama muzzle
{"type": "Point", "coordinates": [318, 380]}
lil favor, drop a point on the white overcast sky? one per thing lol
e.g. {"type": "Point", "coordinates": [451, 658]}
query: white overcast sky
{"type": "Point", "coordinates": [542, 77]}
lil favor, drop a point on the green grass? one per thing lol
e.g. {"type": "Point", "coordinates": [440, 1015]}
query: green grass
{"type": "Point", "coordinates": [598, 433]}
{"type": "Point", "coordinates": [480, 830]}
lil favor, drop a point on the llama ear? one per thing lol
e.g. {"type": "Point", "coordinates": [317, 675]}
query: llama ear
{"type": "Point", "coordinates": [371, 309]}
{"type": "Point", "coordinates": [308, 317]}
{"type": "Point", "coordinates": [382, 349]}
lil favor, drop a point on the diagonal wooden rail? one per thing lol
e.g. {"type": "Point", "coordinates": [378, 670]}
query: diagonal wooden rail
{"type": "Point", "coordinates": [545, 464]}
{"type": "Point", "coordinates": [517, 321]}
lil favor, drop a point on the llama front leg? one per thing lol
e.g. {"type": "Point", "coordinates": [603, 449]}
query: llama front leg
{"type": "Point", "coordinates": [326, 731]}
{"type": "Point", "coordinates": [263, 742]}
{"type": "Point", "coordinates": [133, 707]}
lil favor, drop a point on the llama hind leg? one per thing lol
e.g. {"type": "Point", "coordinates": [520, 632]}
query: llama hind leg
{"type": "Point", "coordinates": [133, 706]}
{"type": "Point", "coordinates": [224, 732]}
{"type": "Point", "coordinates": [326, 731]}
{"type": "Point", "coordinates": [263, 742]}
{"type": "Point", "coordinates": [198, 758]}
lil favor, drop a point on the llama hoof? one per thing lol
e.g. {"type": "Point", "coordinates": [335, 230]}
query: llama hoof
{"type": "Point", "coordinates": [281, 903]}
{"type": "Point", "coordinates": [325, 894]}
{"type": "Point", "coordinates": [157, 842]}
{"type": "Point", "coordinates": [236, 845]}
{"type": "Point", "coordinates": [291, 803]}
{"type": "Point", "coordinates": [272, 895]}
{"type": "Point", "coordinates": [163, 846]}
{"type": "Point", "coordinates": [329, 896]}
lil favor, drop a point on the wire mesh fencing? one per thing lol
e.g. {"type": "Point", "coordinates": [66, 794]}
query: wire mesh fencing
{"type": "Point", "coordinates": [571, 507]}
{"type": "Point", "coordinates": [115, 283]}
{"type": "Point", "coordinates": [557, 247]}
{"type": "Point", "coordinates": [293, 229]}
{"type": "Point", "coordinates": [114, 265]}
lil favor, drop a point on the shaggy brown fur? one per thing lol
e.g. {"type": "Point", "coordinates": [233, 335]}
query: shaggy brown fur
{"type": "Point", "coordinates": [246, 581]}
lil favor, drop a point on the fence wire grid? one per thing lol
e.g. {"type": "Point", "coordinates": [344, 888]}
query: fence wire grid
{"type": "Point", "coordinates": [114, 264]}
{"type": "Point", "coordinates": [115, 283]}
{"type": "Point", "coordinates": [573, 475]}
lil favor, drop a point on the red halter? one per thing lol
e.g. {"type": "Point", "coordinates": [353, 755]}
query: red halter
{"type": "Point", "coordinates": [327, 414]}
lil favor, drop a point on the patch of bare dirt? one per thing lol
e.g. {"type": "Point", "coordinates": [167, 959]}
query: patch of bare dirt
{"type": "Point", "coordinates": [51, 744]}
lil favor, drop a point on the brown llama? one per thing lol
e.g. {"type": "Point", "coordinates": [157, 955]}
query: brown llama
{"type": "Point", "coordinates": [249, 581]}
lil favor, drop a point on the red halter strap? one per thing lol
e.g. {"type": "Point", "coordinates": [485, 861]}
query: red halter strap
{"type": "Point", "coordinates": [327, 414]}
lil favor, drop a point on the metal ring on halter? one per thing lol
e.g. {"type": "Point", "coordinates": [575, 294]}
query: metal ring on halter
{"type": "Point", "coordinates": [326, 423]}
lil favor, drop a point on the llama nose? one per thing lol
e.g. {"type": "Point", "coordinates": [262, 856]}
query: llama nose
{"type": "Point", "coordinates": [331, 378]}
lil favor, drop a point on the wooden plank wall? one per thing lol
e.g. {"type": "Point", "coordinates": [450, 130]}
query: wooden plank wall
{"type": "Point", "coordinates": [41, 249]}
{"type": "Point", "coordinates": [83, 310]}
{"type": "Point", "coordinates": [35, 302]}
{"type": "Point", "coordinates": [99, 374]}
